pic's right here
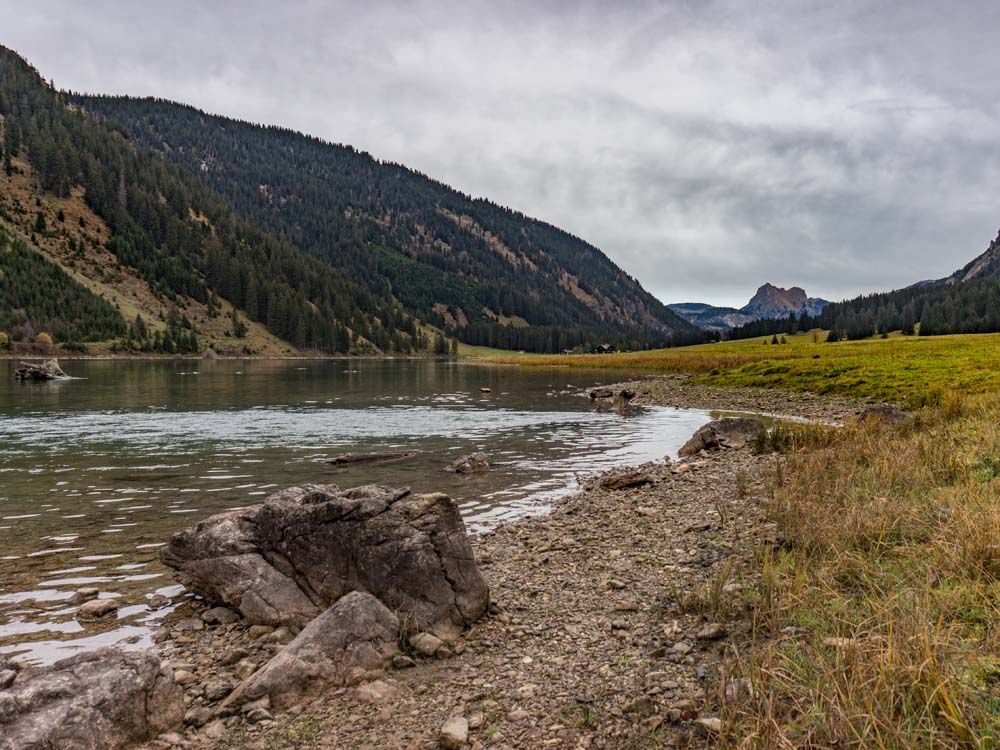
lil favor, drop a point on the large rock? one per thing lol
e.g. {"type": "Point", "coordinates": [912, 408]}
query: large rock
{"type": "Point", "coordinates": [728, 432]}
{"type": "Point", "coordinates": [100, 700]}
{"type": "Point", "coordinates": [286, 560]}
{"type": "Point", "coordinates": [352, 641]}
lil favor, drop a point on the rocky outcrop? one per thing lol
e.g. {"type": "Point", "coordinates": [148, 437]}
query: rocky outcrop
{"type": "Point", "coordinates": [100, 700]}
{"type": "Point", "coordinates": [474, 463]}
{"type": "Point", "coordinates": [352, 641]}
{"type": "Point", "coordinates": [728, 432]}
{"type": "Point", "coordinates": [288, 559]}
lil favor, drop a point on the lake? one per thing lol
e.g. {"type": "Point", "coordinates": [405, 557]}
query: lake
{"type": "Point", "coordinates": [97, 471]}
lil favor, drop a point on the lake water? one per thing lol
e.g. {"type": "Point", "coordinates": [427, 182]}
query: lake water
{"type": "Point", "coordinates": [96, 472]}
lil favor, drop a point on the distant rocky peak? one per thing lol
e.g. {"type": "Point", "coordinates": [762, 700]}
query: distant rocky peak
{"type": "Point", "coordinates": [772, 301]}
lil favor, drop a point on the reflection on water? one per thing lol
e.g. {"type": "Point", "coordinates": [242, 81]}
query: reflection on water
{"type": "Point", "coordinates": [97, 472]}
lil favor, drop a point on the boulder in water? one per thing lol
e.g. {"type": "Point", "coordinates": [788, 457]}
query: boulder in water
{"type": "Point", "coordinates": [474, 463]}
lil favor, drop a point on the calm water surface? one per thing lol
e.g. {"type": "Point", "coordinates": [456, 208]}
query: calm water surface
{"type": "Point", "coordinates": [98, 471]}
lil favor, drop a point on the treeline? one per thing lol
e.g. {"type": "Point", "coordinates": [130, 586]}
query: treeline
{"type": "Point", "coordinates": [400, 235]}
{"type": "Point", "coordinates": [962, 307]}
{"type": "Point", "coordinates": [37, 298]}
{"type": "Point", "coordinates": [178, 234]}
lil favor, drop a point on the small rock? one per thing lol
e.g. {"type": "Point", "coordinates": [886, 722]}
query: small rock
{"type": "Point", "coordinates": [216, 690]}
{"type": "Point", "coordinates": [235, 655]}
{"type": "Point", "coordinates": [711, 632]}
{"type": "Point", "coordinates": [476, 720]}
{"type": "Point", "coordinates": [7, 678]}
{"type": "Point", "coordinates": [157, 601]}
{"type": "Point", "coordinates": [188, 625]}
{"type": "Point", "coordinates": [681, 648]}
{"type": "Point", "coordinates": [198, 717]}
{"type": "Point", "coordinates": [454, 733]}
{"type": "Point", "coordinates": [258, 715]}
{"type": "Point", "coordinates": [216, 730]}
{"type": "Point", "coordinates": [402, 662]}
{"type": "Point", "coordinates": [474, 463]}
{"type": "Point", "coordinates": [259, 631]}
{"type": "Point", "coordinates": [517, 715]}
{"type": "Point", "coordinates": [184, 677]}
{"type": "Point", "coordinates": [376, 692]}
{"type": "Point", "coordinates": [219, 616]}
{"type": "Point", "coordinates": [95, 609]}
{"type": "Point", "coordinates": [83, 595]}
{"type": "Point", "coordinates": [426, 644]}
{"type": "Point", "coordinates": [643, 705]}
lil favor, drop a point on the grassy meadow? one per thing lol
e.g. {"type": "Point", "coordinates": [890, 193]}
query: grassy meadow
{"type": "Point", "coordinates": [876, 614]}
{"type": "Point", "coordinates": [911, 370]}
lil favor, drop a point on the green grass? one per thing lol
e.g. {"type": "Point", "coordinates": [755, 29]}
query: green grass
{"type": "Point", "coordinates": [911, 370]}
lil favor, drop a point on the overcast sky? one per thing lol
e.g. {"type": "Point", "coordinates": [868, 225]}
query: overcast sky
{"type": "Point", "coordinates": [707, 147]}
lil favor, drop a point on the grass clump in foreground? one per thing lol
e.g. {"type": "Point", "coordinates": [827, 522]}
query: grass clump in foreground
{"type": "Point", "coordinates": [878, 618]}
{"type": "Point", "coordinates": [912, 370]}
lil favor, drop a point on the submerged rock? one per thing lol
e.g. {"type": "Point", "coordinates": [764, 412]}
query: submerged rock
{"type": "Point", "coordinates": [474, 463]}
{"type": "Point", "coordinates": [352, 641]}
{"type": "Point", "coordinates": [728, 432]}
{"type": "Point", "coordinates": [100, 700]}
{"type": "Point", "coordinates": [288, 559]}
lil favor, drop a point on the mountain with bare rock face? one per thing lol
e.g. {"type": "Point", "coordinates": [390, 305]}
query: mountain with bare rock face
{"type": "Point", "coordinates": [769, 302]}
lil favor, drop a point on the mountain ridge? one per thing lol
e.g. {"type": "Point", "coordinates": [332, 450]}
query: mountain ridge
{"type": "Point", "coordinates": [258, 240]}
{"type": "Point", "coordinates": [769, 301]}
{"type": "Point", "coordinates": [483, 273]}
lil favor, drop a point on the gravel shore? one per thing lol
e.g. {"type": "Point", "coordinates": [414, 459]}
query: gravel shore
{"type": "Point", "coordinates": [609, 619]}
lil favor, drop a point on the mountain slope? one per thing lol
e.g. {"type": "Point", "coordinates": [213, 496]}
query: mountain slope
{"type": "Point", "coordinates": [769, 302]}
{"type": "Point", "coordinates": [968, 301]}
{"type": "Point", "coordinates": [171, 233]}
{"type": "Point", "coordinates": [483, 273]}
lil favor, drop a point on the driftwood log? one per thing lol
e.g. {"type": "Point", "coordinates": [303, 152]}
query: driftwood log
{"type": "Point", "coordinates": [367, 458]}
{"type": "Point", "coordinates": [47, 370]}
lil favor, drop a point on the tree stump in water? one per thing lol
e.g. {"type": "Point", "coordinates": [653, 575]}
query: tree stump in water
{"type": "Point", "coordinates": [47, 370]}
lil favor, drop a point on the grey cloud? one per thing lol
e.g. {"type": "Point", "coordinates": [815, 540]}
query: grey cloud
{"type": "Point", "coordinates": [705, 146]}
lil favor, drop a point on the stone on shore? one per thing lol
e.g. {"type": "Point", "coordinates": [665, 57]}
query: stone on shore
{"type": "Point", "coordinates": [884, 413]}
{"type": "Point", "coordinates": [728, 432]}
{"type": "Point", "coordinates": [352, 641]}
{"type": "Point", "coordinates": [99, 700]}
{"type": "Point", "coordinates": [454, 733]}
{"type": "Point", "coordinates": [288, 559]}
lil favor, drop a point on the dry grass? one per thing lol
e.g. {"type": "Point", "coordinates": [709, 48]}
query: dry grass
{"type": "Point", "coordinates": [877, 621]}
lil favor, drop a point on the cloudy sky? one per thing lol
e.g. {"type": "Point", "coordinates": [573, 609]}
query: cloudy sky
{"type": "Point", "coordinates": [706, 147]}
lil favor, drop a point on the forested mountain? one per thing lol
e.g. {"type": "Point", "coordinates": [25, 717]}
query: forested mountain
{"type": "Point", "coordinates": [170, 230]}
{"type": "Point", "coordinates": [769, 302]}
{"type": "Point", "coordinates": [483, 273]}
{"type": "Point", "coordinates": [968, 301]}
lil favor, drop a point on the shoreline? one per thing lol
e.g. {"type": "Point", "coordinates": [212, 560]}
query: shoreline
{"type": "Point", "coordinates": [610, 616]}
